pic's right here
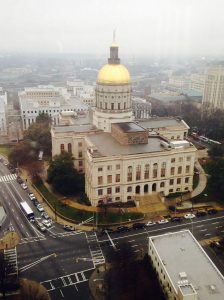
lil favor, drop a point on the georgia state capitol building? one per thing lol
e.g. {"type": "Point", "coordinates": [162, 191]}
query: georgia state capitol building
{"type": "Point", "coordinates": [121, 157]}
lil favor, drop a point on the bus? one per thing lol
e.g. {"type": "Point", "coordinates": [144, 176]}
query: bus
{"type": "Point", "coordinates": [27, 210]}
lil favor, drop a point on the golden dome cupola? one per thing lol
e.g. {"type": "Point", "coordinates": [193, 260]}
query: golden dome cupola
{"type": "Point", "coordinates": [113, 73]}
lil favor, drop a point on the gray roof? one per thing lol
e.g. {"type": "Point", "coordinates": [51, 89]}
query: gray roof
{"type": "Point", "coordinates": [74, 128]}
{"type": "Point", "coordinates": [180, 252]}
{"type": "Point", "coordinates": [109, 146]}
{"type": "Point", "coordinates": [161, 122]}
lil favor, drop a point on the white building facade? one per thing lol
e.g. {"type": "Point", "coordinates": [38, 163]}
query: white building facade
{"type": "Point", "coordinates": [121, 158]}
{"type": "Point", "coordinates": [47, 99]}
{"type": "Point", "coordinates": [184, 270]}
{"type": "Point", "coordinates": [213, 96]}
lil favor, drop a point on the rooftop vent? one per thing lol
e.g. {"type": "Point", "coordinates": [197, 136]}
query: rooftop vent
{"type": "Point", "coordinates": [212, 287]}
{"type": "Point", "coordinates": [183, 275]}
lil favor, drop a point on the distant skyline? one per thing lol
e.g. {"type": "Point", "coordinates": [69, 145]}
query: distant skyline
{"type": "Point", "coordinates": [151, 28]}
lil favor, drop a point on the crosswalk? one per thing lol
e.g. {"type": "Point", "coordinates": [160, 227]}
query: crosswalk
{"type": "Point", "coordinates": [10, 257]}
{"type": "Point", "coordinates": [68, 280]}
{"type": "Point", "coordinates": [95, 249]}
{"type": "Point", "coordinates": [8, 178]}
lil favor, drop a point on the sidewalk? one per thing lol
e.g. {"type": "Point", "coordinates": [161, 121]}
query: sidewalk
{"type": "Point", "coordinates": [9, 240]}
{"type": "Point", "coordinates": [202, 181]}
{"type": "Point", "coordinates": [97, 284]}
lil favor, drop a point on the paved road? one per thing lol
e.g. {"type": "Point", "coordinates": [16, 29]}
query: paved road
{"type": "Point", "coordinates": [63, 261]}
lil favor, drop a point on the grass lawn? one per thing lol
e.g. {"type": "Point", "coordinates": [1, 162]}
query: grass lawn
{"type": "Point", "coordinates": [5, 149]}
{"type": "Point", "coordinates": [78, 215]}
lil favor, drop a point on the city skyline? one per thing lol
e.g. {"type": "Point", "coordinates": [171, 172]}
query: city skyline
{"type": "Point", "coordinates": [164, 28]}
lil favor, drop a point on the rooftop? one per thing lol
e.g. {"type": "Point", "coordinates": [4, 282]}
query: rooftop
{"type": "Point", "coordinates": [162, 122]}
{"type": "Point", "coordinates": [108, 146]}
{"type": "Point", "coordinates": [180, 252]}
{"type": "Point", "coordinates": [129, 127]}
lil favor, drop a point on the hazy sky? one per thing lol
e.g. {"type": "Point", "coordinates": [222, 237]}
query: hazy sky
{"type": "Point", "coordinates": [161, 27]}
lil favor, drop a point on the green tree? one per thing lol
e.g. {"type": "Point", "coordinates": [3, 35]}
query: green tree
{"type": "Point", "coordinates": [216, 151]}
{"type": "Point", "coordinates": [62, 175]}
{"type": "Point", "coordinates": [216, 172]}
{"type": "Point", "coordinates": [24, 152]}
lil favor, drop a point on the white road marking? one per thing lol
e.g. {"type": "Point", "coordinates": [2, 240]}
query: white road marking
{"type": "Point", "coordinates": [208, 234]}
{"type": "Point", "coordinates": [203, 229]}
{"type": "Point", "coordinates": [131, 241]}
{"type": "Point", "coordinates": [215, 223]}
{"type": "Point", "coordinates": [134, 246]}
{"type": "Point", "coordinates": [199, 226]}
{"type": "Point", "coordinates": [61, 293]}
{"type": "Point", "coordinates": [27, 233]}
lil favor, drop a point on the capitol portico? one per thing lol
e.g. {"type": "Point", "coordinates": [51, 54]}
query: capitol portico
{"type": "Point", "coordinates": [121, 157]}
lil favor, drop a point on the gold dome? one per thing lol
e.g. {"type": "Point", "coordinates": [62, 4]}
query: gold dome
{"type": "Point", "coordinates": [113, 74]}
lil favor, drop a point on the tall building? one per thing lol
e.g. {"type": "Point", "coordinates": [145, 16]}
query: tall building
{"type": "Point", "coordinates": [123, 159]}
{"type": "Point", "coordinates": [3, 113]}
{"type": "Point", "coordinates": [213, 96]}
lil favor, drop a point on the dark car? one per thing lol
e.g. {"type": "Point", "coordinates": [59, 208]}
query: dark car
{"type": "Point", "coordinates": [212, 211]}
{"type": "Point", "coordinates": [35, 202]}
{"type": "Point", "coordinates": [122, 229]}
{"type": "Point", "coordinates": [19, 180]}
{"type": "Point", "coordinates": [107, 230]}
{"type": "Point", "coordinates": [201, 213]}
{"type": "Point", "coordinates": [138, 226]}
{"type": "Point", "coordinates": [176, 219]}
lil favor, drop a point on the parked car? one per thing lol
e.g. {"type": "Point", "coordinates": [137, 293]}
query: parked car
{"type": "Point", "coordinates": [201, 213]}
{"type": "Point", "coordinates": [35, 202]}
{"type": "Point", "coordinates": [150, 223]}
{"type": "Point", "coordinates": [189, 216]}
{"type": "Point", "coordinates": [212, 211]}
{"type": "Point", "coordinates": [176, 219]}
{"type": "Point", "coordinates": [47, 223]}
{"type": "Point", "coordinates": [31, 196]}
{"type": "Point", "coordinates": [45, 215]}
{"type": "Point", "coordinates": [163, 221]}
{"type": "Point", "coordinates": [122, 229]}
{"type": "Point", "coordinates": [40, 225]}
{"type": "Point", "coordinates": [24, 186]}
{"type": "Point", "coordinates": [136, 226]}
{"type": "Point", "coordinates": [19, 179]}
{"type": "Point", "coordinates": [40, 207]}
{"type": "Point", "coordinates": [68, 228]}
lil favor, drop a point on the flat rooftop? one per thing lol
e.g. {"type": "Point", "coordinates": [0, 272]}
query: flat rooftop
{"type": "Point", "coordinates": [180, 252]}
{"type": "Point", "coordinates": [129, 127]}
{"type": "Point", "coordinates": [107, 145]}
{"type": "Point", "coordinates": [85, 128]}
{"type": "Point", "coordinates": [162, 122]}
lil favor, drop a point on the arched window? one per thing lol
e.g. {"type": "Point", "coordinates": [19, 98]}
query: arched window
{"type": "Point", "coordinates": [69, 148]}
{"type": "Point", "coordinates": [163, 169]}
{"type": "Point", "coordinates": [155, 170]}
{"type": "Point", "coordinates": [129, 177]}
{"type": "Point", "coordinates": [138, 172]}
{"type": "Point", "coordinates": [162, 184]}
{"type": "Point", "coordinates": [62, 148]}
{"type": "Point", "coordinates": [146, 175]}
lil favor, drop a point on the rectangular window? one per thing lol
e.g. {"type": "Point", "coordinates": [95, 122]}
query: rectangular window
{"type": "Point", "coordinates": [80, 154]}
{"type": "Point", "coordinates": [187, 169]}
{"type": "Point", "coordinates": [79, 144]}
{"type": "Point", "coordinates": [117, 189]}
{"type": "Point", "coordinates": [178, 180]}
{"type": "Point", "coordinates": [80, 163]}
{"type": "Point", "coordinates": [118, 167]}
{"type": "Point", "coordinates": [188, 158]}
{"type": "Point", "coordinates": [187, 180]}
{"type": "Point", "coordinates": [100, 169]}
{"type": "Point", "coordinates": [118, 177]}
{"type": "Point", "coordinates": [109, 191]}
{"type": "Point", "coordinates": [180, 159]}
{"type": "Point", "coordinates": [138, 172]}
{"type": "Point", "coordinates": [172, 171]}
{"type": "Point", "coordinates": [171, 181]}
{"type": "Point", "coordinates": [173, 160]}
{"type": "Point", "coordinates": [109, 168]}
{"type": "Point", "coordinates": [100, 180]}
{"type": "Point", "coordinates": [109, 178]}
{"type": "Point", "coordinates": [100, 192]}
